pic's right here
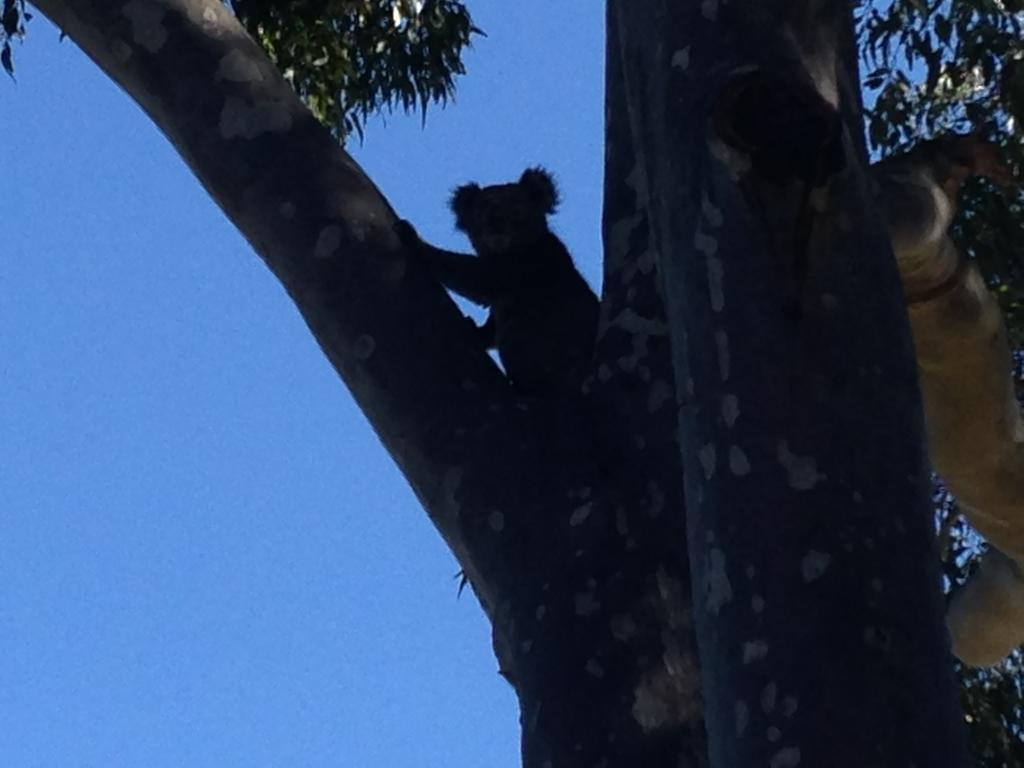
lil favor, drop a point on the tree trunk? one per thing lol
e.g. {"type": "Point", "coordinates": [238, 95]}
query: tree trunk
{"type": "Point", "coordinates": [816, 585]}
{"type": "Point", "coordinates": [817, 599]}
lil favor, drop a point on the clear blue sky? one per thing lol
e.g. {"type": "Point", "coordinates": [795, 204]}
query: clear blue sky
{"type": "Point", "coordinates": [206, 558]}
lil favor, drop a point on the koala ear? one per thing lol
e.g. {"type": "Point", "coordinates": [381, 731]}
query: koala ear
{"type": "Point", "coordinates": [541, 188]}
{"type": "Point", "coordinates": [462, 203]}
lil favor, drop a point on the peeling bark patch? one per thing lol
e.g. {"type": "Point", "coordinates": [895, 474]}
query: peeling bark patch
{"type": "Point", "coordinates": [580, 514]}
{"type": "Point", "coordinates": [681, 59]}
{"type": "Point", "coordinates": [716, 276]}
{"type": "Point", "coordinates": [236, 67]}
{"type": "Point", "coordinates": [241, 120]}
{"type": "Point", "coordinates": [665, 698]}
{"type": "Point", "coordinates": [586, 604]}
{"type": "Point", "coordinates": [707, 460]}
{"type": "Point", "coordinates": [658, 394]}
{"type": "Point", "coordinates": [364, 347]}
{"type": "Point", "coordinates": [705, 243]}
{"type": "Point", "coordinates": [813, 565]}
{"type": "Point", "coordinates": [497, 521]}
{"type": "Point", "coordinates": [450, 486]}
{"type": "Point", "coordinates": [754, 650]}
{"type": "Point", "coordinates": [656, 499]}
{"type": "Point", "coordinates": [121, 51]}
{"type": "Point", "coordinates": [327, 242]}
{"type": "Point", "coordinates": [717, 588]}
{"type": "Point", "coordinates": [787, 757]}
{"type": "Point", "coordinates": [147, 20]}
{"type": "Point", "coordinates": [730, 409]}
{"type": "Point", "coordinates": [789, 706]}
{"type": "Point", "coordinates": [722, 342]}
{"type": "Point", "coordinates": [623, 627]}
{"type": "Point", "coordinates": [768, 695]}
{"type": "Point", "coordinates": [737, 163]}
{"type": "Point", "coordinates": [739, 464]}
{"type": "Point", "coordinates": [742, 718]}
{"type": "Point", "coordinates": [621, 522]}
{"type": "Point", "coordinates": [712, 214]}
{"type": "Point", "coordinates": [802, 470]}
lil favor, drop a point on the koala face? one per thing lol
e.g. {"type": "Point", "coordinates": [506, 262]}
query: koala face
{"type": "Point", "coordinates": [500, 218]}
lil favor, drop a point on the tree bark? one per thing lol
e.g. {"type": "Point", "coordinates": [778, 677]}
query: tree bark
{"type": "Point", "coordinates": [817, 600]}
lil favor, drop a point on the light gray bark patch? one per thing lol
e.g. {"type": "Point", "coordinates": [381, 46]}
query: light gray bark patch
{"type": "Point", "coordinates": [237, 67]}
{"type": "Point", "coordinates": [327, 242]}
{"type": "Point", "coordinates": [121, 51]}
{"type": "Point", "coordinates": [586, 604]}
{"type": "Point", "coordinates": [716, 279]}
{"type": "Point", "coordinates": [730, 409]}
{"type": "Point", "coordinates": [724, 361]}
{"type": "Point", "coordinates": [364, 347]}
{"type": "Point", "coordinates": [742, 718]}
{"type": "Point", "coordinates": [787, 757]}
{"type": "Point", "coordinates": [708, 460]}
{"type": "Point", "coordinates": [241, 120]}
{"type": "Point", "coordinates": [147, 18]}
{"type": "Point", "coordinates": [754, 650]}
{"type": "Point", "coordinates": [768, 695]}
{"type": "Point", "coordinates": [739, 464]}
{"type": "Point", "coordinates": [717, 587]}
{"type": "Point", "coordinates": [658, 394]}
{"type": "Point", "coordinates": [814, 564]}
{"type": "Point", "coordinates": [802, 470]}
{"type": "Point", "coordinates": [580, 514]}
{"type": "Point", "coordinates": [712, 214]}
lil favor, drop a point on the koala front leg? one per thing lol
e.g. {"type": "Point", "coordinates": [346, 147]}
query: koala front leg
{"type": "Point", "coordinates": [975, 436]}
{"type": "Point", "coordinates": [467, 275]}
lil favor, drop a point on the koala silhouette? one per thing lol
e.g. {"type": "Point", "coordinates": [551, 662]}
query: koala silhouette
{"type": "Point", "coordinates": [543, 316]}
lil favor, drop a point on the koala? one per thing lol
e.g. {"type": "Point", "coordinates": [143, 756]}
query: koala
{"type": "Point", "coordinates": [543, 315]}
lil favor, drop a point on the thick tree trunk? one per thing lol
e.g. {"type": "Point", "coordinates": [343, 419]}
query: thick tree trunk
{"type": "Point", "coordinates": [816, 602]}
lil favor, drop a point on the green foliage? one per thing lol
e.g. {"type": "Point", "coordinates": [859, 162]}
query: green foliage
{"type": "Point", "coordinates": [992, 700]}
{"type": "Point", "coordinates": [12, 27]}
{"type": "Point", "coordinates": [348, 59]}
